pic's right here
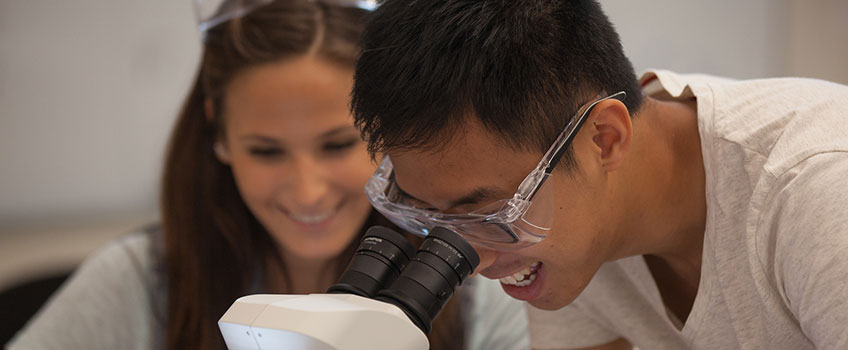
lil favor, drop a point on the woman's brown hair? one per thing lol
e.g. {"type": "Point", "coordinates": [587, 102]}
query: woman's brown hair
{"type": "Point", "coordinates": [215, 250]}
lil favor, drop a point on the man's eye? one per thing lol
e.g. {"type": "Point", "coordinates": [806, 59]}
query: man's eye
{"type": "Point", "coordinates": [266, 152]}
{"type": "Point", "coordinates": [426, 208]}
{"type": "Point", "coordinates": [419, 205]}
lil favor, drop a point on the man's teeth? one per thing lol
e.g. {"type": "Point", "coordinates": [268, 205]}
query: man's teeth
{"type": "Point", "coordinates": [312, 219]}
{"type": "Point", "coordinates": [522, 278]}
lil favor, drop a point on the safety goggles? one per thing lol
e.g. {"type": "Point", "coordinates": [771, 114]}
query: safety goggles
{"type": "Point", "coordinates": [520, 221]}
{"type": "Point", "coordinates": [211, 13]}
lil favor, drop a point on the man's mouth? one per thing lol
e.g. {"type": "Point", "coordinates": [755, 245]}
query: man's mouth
{"type": "Point", "coordinates": [522, 278]}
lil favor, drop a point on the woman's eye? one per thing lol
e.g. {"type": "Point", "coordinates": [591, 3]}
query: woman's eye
{"type": "Point", "coordinates": [266, 152]}
{"type": "Point", "coordinates": [334, 147]}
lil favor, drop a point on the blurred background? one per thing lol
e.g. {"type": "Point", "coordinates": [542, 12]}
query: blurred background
{"type": "Point", "coordinates": [89, 90]}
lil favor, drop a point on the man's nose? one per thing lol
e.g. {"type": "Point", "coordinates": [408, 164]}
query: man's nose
{"type": "Point", "coordinates": [487, 257]}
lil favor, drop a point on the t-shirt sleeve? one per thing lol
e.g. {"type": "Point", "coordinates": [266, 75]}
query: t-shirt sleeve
{"type": "Point", "coordinates": [810, 212]}
{"type": "Point", "coordinates": [567, 328]}
{"type": "Point", "coordinates": [497, 321]}
{"type": "Point", "coordinates": [104, 305]}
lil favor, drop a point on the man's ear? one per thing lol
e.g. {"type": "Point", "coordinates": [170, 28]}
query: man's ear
{"type": "Point", "coordinates": [612, 131]}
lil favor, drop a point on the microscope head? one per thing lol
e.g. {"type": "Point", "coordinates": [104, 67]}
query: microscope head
{"type": "Point", "coordinates": [386, 299]}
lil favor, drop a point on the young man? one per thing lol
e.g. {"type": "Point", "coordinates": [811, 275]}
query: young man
{"type": "Point", "coordinates": [690, 212]}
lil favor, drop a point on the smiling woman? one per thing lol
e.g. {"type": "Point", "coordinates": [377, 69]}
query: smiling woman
{"type": "Point", "coordinates": [262, 193]}
{"type": "Point", "coordinates": [298, 162]}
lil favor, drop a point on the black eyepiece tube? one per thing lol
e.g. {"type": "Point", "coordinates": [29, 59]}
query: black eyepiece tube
{"type": "Point", "coordinates": [378, 261]}
{"type": "Point", "coordinates": [442, 262]}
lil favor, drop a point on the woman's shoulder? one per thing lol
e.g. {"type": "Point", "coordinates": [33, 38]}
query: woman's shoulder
{"type": "Point", "coordinates": [127, 263]}
{"type": "Point", "coordinates": [106, 303]}
{"type": "Point", "coordinates": [134, 254]}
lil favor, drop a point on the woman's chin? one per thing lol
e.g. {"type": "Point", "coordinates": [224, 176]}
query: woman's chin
{"type": "Point", "coordinates": [317, 238]}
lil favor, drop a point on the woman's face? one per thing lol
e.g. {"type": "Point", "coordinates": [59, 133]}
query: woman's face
{"type": "Point", "coordinates": [298, 161]}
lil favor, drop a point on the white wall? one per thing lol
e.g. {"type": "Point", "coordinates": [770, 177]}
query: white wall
{"type": "Point", "coordinates": [88, 92]}
{"type": "Point", "coordinates": [817, 39]}
{"type": "Point", "coordinates": [740, 39]}
{"type": "Point", "coordinates": [89, 89]}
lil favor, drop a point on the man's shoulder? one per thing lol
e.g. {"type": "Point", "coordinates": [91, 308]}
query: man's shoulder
{"type": "Point", "coordinates": [783, 118]}
{"type": "Point", "coordinates": [754, 131]}
{"type": "Point", "coordinates": [808, 195]}
{"type": "Point", "coordinates": [802, 239]}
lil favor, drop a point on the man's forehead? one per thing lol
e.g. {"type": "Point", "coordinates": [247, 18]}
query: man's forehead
{"type": "Point", "coordinates": [462, 155]}
{"type": "Point", "coordinates": [470, 142]}
{"type": "Point", "coordinates": [436, 177]}
{"type": "Point", "coordinates": [470, 161]}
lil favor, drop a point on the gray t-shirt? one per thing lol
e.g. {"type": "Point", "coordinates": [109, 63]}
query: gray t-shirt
{"type": "Point", "coordinates": [775, 259]}
{"type": "Point", "coordinates": [114, 301]}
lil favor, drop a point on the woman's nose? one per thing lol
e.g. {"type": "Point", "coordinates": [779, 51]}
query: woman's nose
{"type": "Point", "coordinates": [309, 185]}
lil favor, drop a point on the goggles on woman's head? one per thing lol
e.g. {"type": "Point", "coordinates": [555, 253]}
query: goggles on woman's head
{"type": "Point", "coordinates": [520, 221]}
{"type": "Point", "coordinates": [214, 12]}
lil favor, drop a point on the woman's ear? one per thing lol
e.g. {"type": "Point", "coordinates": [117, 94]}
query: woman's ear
{"type": "Point", "coordinates": [221, 152]}
{"type": "Point", "coordinates": [209, 110]}
{"type": "Point", "coordinates": [612, 132]}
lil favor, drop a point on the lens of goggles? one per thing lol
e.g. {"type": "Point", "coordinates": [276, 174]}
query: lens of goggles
{"type": "Point", "coordinates": [513, 222]}
{"type": "Point", "coordinates": [213, 12]}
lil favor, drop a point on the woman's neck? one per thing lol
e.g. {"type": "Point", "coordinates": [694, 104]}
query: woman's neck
{"type": "Point", "coordinates": [297, 275]}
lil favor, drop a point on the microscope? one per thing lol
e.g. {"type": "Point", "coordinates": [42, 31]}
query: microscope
{"type": "Point", "coordinates": [386, 299]}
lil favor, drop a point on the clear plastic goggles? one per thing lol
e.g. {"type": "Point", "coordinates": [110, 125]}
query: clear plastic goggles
{"type": "Point", "coordinates": [211, 13]}
{"type": "Point", "coordinates": [522, 220]}
{"type": "Point", "coordinates": [214, 12]}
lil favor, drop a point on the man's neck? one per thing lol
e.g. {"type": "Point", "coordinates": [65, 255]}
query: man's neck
{"type": "Point", "coordinates": [672, 200]}
{"type": "Point", "coordinates": [666, 205]}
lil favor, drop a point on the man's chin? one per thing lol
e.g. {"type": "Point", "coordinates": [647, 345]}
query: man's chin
{"type": "Point", "coordinates": [554, 300]}
{"type": "Point", "coordinates": [550, 305]}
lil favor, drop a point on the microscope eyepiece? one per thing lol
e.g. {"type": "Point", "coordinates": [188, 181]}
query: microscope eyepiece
{"type": "Point", "coordinates": [379, 260]}
{"type": "Point", "coordinates": [442, 262]}
{"type": "Point", "coordinates": [386, 267]}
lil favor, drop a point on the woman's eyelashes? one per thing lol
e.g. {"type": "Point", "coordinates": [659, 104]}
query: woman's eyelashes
{"type": "Point", "coordinates": [265, 151]}
{"type": "Point", "coordinates": [332, 148]}
{"type": "Point", "coordinates": [329, 149]}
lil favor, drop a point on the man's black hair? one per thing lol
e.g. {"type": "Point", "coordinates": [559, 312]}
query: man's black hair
{"type": "Point", "coordinates": [521, 67]}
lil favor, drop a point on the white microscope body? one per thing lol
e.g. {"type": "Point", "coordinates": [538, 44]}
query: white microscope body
{"type": "Point", "coordinates": [318, 322]}
{"type": "Point", "coordinates": [386, 299]}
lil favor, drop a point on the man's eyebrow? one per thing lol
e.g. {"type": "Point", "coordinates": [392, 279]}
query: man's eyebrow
{"type": "Point", "coordinates": [478, 195]}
